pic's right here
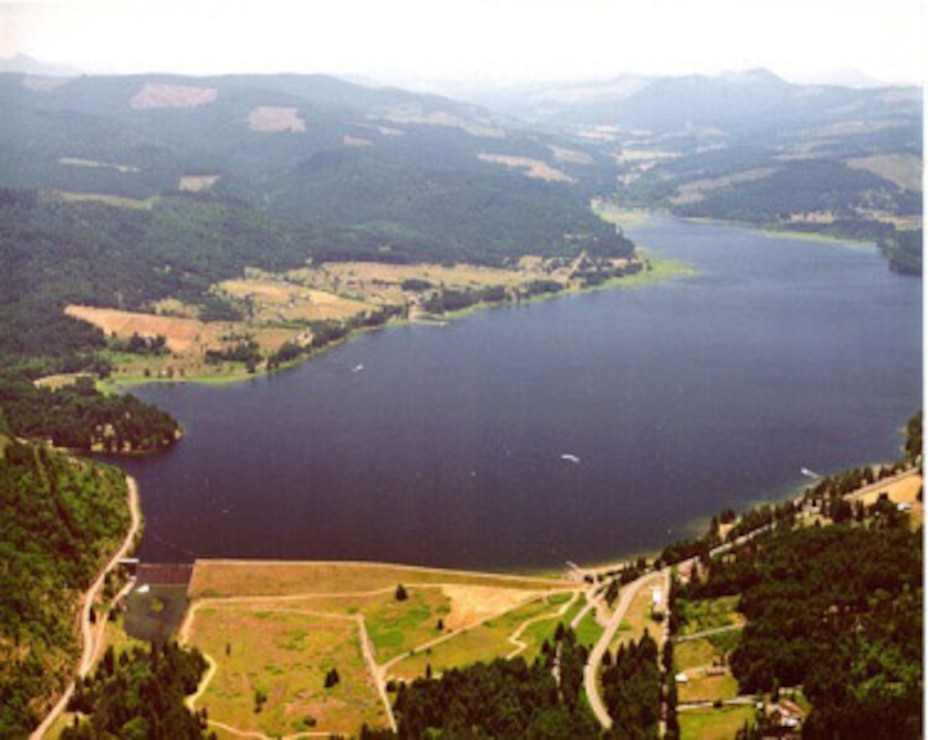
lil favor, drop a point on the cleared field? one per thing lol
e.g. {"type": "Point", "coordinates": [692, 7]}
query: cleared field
{"type": "Point", "coordinates": [278, 300]}
{"type": "Point", "coordinates": [902, 491]}
{"type": "Point", "coordinates": [117, 201]}
{"type": "Point", "coordinates": [707, 688]}
{"type": "Point", "coordinates": [708, 614]}
{"type": "Point", "coordinates": [54, 382]}
{"type": "Point", "coordinates": [905, 170]}
{"type": "Point", "coordinates": [396, 627]}
{"type": "Point", "coordinates": [77, 162]}
{"type": "Point", "coordinates": [215, 578]}
{"type": "Point", "coordinates": [284, 656]}
{"type": "Point", "coordinates": [275, 119]}
{"type": "Point", "coordinates": [694, 192]}
{"type": "Point", "coordinates": [714, 724]}
{"type": "Point", "coordinates": [154, 95]}
{"type": "Point", "coordinates": [485, 642]}
{"type": "Point", "coordinates": [534, 168]}
{"type": "Point", "coordinates": [196, 183]}
{"type": "Point", "coordinates": [182, 335]}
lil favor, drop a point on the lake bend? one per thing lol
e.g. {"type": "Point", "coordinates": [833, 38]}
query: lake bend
{"type": "Point", "coordinates": [581, 428]}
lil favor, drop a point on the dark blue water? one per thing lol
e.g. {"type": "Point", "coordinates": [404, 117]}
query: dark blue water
{"type": "Point", "coordinates": [679, 399]}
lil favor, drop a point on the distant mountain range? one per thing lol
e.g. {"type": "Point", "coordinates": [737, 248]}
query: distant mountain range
{"type": "Point", "coordinates": [736, 102]}
{"type": "Point", "coordinates": [28, 65]}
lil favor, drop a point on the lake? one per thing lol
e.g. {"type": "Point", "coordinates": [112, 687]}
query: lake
{"type": "Point", "coordinates": [676, 399]}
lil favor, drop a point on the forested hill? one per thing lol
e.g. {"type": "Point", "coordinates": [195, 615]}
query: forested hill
{"type": "Point", "coordinates": [352, 171]}
{"type": "Point", "coordinates": [70, 516]}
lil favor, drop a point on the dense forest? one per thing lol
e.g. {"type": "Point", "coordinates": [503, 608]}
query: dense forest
{"type": "Point", "coordinates": [139, 694]}
{"type": "Point", "coordinates": [69, 516]}
{"type": "Point", "coordinates": [837, 609]}
{"type": "Point", "coordinates": [78, 417]}
{"type": "Point", "coordinates": [504, 699]}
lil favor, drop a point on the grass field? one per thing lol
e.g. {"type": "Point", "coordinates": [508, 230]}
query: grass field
{"type": "Point", "coordinates": [588, 631]}
{"type": "Point", "coordinates": [708, 614]}
{"type": "Point", "coordinates": [638, 619]}
{"type": "Point", "coordinates": [485, 642]}
{"type": "Point", "coordinates": [285, 656]}
{"type": "Point", "coordinates": [707, 688]}
{"type": "Point", "coordinates": [275, 628]}
{"type": "Point", "coordinates": [714, 724]}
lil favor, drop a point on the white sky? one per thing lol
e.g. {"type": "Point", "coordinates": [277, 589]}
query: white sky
{"type": "Point", "coordinates": [482, 41]}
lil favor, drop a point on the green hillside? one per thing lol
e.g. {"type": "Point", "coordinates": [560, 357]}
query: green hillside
{"type": "Point", "coordinates": [70, 516]}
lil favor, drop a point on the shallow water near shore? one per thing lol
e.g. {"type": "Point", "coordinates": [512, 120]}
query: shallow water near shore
{"type": "Point", "coordinates": [581, 428]}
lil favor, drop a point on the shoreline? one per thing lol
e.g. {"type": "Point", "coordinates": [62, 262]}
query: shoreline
{"type": "Point", "coordinates": [663, 269]}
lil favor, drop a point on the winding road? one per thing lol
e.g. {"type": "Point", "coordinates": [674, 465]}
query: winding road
{"type": "Point", "coordinates": [591, 669]}
{"type": "Point", "coordinates": [92, 639]}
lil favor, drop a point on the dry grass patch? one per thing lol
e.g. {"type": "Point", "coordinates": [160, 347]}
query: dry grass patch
{"type": "Point", "coordinates": [473, 604]}
{"type": "Point", "coordinates": [285, 656]}
{"type": "Point", "coordinates": [223, 578]}
{"type": "Point", "coordinates": [181, 334]}
{"type": "Point", "coordinates": [902, 491]}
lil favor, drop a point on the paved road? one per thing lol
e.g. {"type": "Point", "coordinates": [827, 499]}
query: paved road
{"type": "Point", "coordinates": [591, 670]}
{"type": "Point", "coordinates": [92, 639]}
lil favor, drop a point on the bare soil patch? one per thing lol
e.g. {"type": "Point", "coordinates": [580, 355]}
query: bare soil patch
{"type": "Point", "coordinates": [155, 95]}
{"type": "Point", "coordinates": [197, 183]}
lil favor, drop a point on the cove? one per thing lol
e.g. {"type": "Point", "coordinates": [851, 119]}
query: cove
{"type": "Point", "coordinates": [669, 402]}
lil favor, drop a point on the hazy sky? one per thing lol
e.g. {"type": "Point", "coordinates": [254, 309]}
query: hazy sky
{"type": "Point", "coordinates": [497, 41]}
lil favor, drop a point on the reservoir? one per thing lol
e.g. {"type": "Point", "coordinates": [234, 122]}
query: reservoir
{"type": "Point", "coordinates": [581, 428]}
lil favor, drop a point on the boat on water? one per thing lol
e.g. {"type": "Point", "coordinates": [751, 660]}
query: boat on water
{"type": "Point", "coordinates": [809, 473]}
{"type": "Point", "coordinates": [357, 368]}
{"type": "Point", "coordinates": [570, 458]}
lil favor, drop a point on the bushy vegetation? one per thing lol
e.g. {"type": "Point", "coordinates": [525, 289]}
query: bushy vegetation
{"type": "Point", "coordinates": [69, 517]}
{"type": "Point", "coordinates": [140, 694]}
